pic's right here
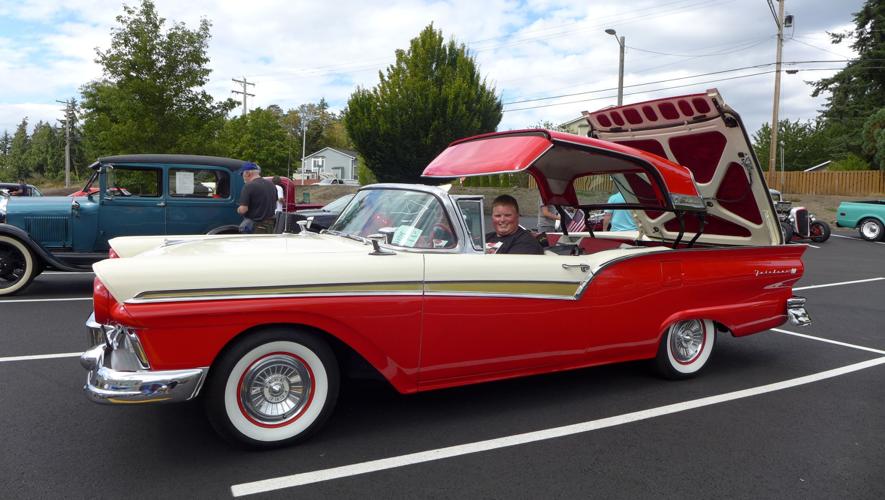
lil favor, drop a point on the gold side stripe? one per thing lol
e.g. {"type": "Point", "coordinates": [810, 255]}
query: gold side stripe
{"type": "Point", "coordinates": [503, 287]}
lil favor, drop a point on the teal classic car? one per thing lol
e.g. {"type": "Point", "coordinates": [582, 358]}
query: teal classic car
{"type": "Point", "coordinates": [127, 195]}
{"type": "Point", "coordinates": [867, 216]}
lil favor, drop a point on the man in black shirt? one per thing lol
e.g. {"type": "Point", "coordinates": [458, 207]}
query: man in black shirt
{"type": "Point", "coordinates": [257, 201]}
{"type": "Point", "coordinates": [508, 237]}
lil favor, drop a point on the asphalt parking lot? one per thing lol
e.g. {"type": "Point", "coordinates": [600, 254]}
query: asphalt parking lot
{"type": "Point", "coordinates": [774, 415]}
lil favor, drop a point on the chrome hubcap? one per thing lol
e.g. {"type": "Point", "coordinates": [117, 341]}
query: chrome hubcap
{"type": "Point", "coordinates": [686, 340]}
{"type": "Point", "coordinates": [870, 230]}
{"type": "Point", "coordinates": [276, 388]}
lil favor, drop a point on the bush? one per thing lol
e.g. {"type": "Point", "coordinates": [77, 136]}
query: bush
{"type": "Point", "coordinates": [850, 162]}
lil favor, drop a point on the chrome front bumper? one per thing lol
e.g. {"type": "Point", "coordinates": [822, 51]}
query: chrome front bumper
{"type": "Point", "coordinates": [796, 311]}
{"type": "Point", "coordinates": [117, 377]}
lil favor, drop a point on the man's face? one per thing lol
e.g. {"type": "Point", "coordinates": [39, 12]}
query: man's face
{"type": "Point", "coordinates": [505, 219]}
{"type": "Point", "coordinates": [249, 175]}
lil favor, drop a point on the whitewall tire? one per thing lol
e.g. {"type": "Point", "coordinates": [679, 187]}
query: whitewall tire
{"type": "Point", "coordinates": [17, 265]}
{"type": "Point", "coordinates": [685, 348]}
{"type": "Point", "coordinates": [272, 388]}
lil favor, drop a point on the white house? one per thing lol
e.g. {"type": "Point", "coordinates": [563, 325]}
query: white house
{"type": "Point", "coordinates": [331, 162]}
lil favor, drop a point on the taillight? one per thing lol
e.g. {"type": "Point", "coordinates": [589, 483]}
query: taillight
{"type": "Point", "coordinates": [102, 302]}
{"type": "Point", "coordinates": [112, 254]}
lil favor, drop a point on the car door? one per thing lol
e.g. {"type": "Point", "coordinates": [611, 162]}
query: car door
{"type": "Point", "coordinates": [132, 203]}
{"type": "Point", "coordinates": [485, 315]}
{"type": "Point", "coordinates": [198, 199]}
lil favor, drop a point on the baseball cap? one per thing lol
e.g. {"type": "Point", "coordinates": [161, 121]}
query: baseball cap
{"type": "Point", "coordinates": [249, 166]}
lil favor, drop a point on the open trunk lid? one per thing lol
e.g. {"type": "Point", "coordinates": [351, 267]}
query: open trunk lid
{"type": "Point", "coordinates": [700, 132]}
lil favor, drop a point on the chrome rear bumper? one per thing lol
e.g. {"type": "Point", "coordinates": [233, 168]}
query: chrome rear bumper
{"type": "Point", "coordinates": [114, 378]}
{"type": "Point", "coordinates": [796, 311]}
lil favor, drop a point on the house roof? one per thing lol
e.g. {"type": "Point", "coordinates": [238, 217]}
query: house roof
{"type": "Point", "coordinates": [346, 152]}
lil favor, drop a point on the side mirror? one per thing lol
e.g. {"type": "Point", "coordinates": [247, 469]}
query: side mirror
{"type": "Point", "coordinates": [309, 221]}
{"type": "Point", "coordinates": [377, 239]}
{"type": "Point", "coordinates": [387, 232]}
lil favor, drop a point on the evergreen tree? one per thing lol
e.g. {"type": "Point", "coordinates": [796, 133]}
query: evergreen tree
{"type": "Point", "coordinates": [432, 95]}
{"type": "Point", "coordinates": [17, 168]}
{"type": "Point", "coordinates": [150, 97]}
{"type": "Point", "coordinates": [805, 144]}
{"type": "Point", "coordinates": [858, 90]}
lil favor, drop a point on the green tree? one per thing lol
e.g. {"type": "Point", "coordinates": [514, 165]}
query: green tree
{"type": "Point", "coordinates": [43, 156]}
{"type": "Point", "coordinates": [805, 144]}
{"type": "Point", "coordinates": [149, 98]}
{"type": "Point", "coordinates": [858, 90]}
{"type": "Point", "coordinates": [873, 137]}
{"type": "Point", "coordinates": [17, 163]}
{"type": "Point", "coordinates": [432, 95]}
{"type": "Point", "coordinates": [260, 137]}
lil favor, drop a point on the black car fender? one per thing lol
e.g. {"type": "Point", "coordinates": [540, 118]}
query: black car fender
{"type": "Point", "coordinates": [226, 229]}
{"type": "Point", "coordinates": [44, 256]}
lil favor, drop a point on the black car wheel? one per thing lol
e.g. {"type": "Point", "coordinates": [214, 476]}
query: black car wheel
{"type": "Point", "coordinates": [17, 265]}
{"type": "Point", "coordinates": [820, 231]}
{"type": "Point", "coordinates": [787, 231]}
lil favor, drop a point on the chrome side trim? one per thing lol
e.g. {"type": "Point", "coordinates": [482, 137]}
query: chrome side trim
{"type": "Point", "coordinates": [137, 300]}
{"type": "Point", "coordinates": [501, 295]}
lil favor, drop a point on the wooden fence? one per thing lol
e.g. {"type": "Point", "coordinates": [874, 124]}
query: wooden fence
{"type": "Point", "coordinates": [846, 183]}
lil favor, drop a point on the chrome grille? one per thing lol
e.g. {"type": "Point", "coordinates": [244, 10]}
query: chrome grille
{"type": "Point", "coordinates": [802, 223]}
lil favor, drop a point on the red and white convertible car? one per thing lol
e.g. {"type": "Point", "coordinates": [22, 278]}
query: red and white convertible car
{"type": "Point", "coordinates": [261, 328]}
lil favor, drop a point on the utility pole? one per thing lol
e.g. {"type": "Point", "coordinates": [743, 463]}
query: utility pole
{"type": "Point", "coordinates": [621, 42]}
{"type": "Point", "coordinates": [772, 154]}
{"type": "Point", "coordinates": [69, 118]}
{"type": "Point", "coordinates": [244, 83]}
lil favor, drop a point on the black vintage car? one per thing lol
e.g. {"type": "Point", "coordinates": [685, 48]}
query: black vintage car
{"type": "Point", "coordinates": [797, 223]}
{"type": "Point", "coordinates": [320, 218]}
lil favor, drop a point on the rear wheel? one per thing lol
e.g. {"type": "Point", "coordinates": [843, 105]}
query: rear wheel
{"type": "Point", "coordinates": [820, 231]}
{"type": "Point", "coordinates": [685, 348]}
{"type": "Point", "coordinates": [18, 266]}
{"type": "Point", "coordinates": [871, 230]}
{"type": "Point", "coordinates": [272, 388]}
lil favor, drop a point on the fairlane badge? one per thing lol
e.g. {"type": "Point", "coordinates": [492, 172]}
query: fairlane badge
{"type": "Point", "coordinates": [768, 272]}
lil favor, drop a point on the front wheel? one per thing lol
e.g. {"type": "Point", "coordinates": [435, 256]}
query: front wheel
{"type": "Point", "coordinates": [787, 231]}
{"type": "Point", "coordinates": [685, 348]}
{"type": "Point", "coordinates": [18, 266]}
{"type": "Point", "coordinates": [820, 231]}
{"type": "Point", "coordinates": [272, 388]}
{"type": "Point", "coordinates": [871, 230]}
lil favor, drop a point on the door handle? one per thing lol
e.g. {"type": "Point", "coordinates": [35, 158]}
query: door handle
{"type": "Point", "coordinates": [583, 267]}
{"type": "Point", "coordinates": [161, 204]}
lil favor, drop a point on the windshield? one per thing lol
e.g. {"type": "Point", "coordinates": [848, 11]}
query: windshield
{"type": "Point", "coordinates": [413, 219]}
{"type": "Point", "coordinates": [339, 204]}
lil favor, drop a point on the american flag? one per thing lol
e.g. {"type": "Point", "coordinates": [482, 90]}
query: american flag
{"type": "Point", "coordinates": [576, 225]}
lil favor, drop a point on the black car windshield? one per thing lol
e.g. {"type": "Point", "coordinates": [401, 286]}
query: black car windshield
{"type": "Point", "coordinates": [413, 219]}
{"type": "Point", "coordinates": [339, 204]}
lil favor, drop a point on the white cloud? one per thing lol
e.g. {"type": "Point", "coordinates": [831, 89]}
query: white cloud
{"type": "Point", "coordinates": [299, 52]}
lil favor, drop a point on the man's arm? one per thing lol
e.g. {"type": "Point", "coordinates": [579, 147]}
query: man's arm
{"type": "Point", "coordinates": [242, 209]}
{"type": "Point", "coordinates": [606, 220]}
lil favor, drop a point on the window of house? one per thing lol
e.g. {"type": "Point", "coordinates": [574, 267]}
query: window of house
{"type": "Point", "coordinates": [318, 163]}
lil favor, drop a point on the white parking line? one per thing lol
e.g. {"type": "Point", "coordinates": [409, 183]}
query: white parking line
{"type": "Point", "coordinates": [60, 273]}
{"type": "Point", "coordinates": [44, 300]}
{"type": "Point", "coordinates": [40, 356]}
{"type": "Point", "coordinates": [856, 238]}
{"type": "Point", "coordinates": [828, 341]}
{"type": "Point", "coordinates": [302, 479]}
{"type": "Point", "coordinates": [837, 284]}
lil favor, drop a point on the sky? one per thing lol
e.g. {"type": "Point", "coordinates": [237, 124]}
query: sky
{"type": "Point", "coordinates": [530, 51]}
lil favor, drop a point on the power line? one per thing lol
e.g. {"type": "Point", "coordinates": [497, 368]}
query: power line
{"type": "Point", "coordinates": [756, 66]}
